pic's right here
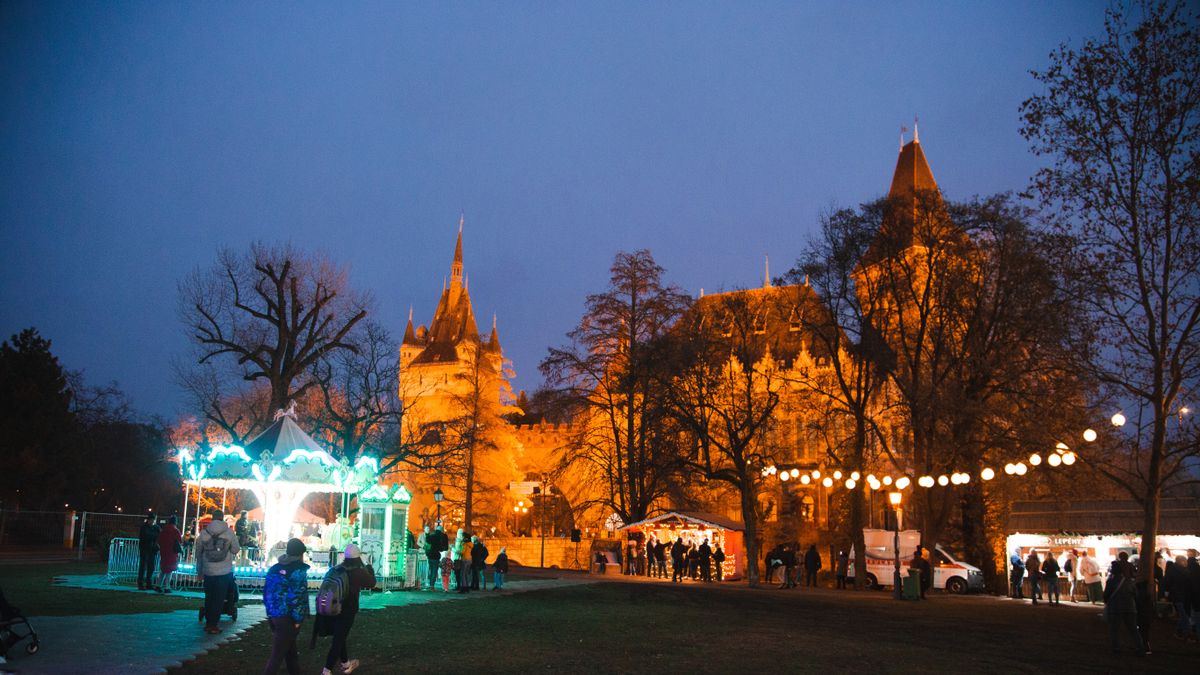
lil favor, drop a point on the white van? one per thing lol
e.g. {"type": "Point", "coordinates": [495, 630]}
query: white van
{"type": "Point", "coordinates": [948, 573]}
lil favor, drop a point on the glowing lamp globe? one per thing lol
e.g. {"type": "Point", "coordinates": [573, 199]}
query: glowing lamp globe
{"type": "Point", "coordinates": [964, 478]}
{"type": "Point", "coordinates": [1089, 435]}
{"type": "Point", "coordinates": [816, 474]}
{"type": "Point", "coordinates": [795, 472]}
{"type": "Point", "coordinates": [1035, 459]}
{"type": "Point", "coordinates": [854, 475]}
{"type": "Point", "coordinates": [943, 480]}
{"type": "Point", "coordinates": [851, 484]}
{"type": "Point", "coordinates": [902, 482]}
{"type": "Point", "coordinates": [837, 475]}
{"type": "Point", "coordinates": [1021, 468]}
{"type": "Point", "coordinates": [887, 480]}
{"type": "Point", "coordinates": [1055, 460]}
{"type": "Point", "coordinates": [1118, 420]}
{"type": "Point", "coordinates": [784, 476]}
{"type": "Point", "coordinates": [805, 479]}
{"type": "Point", "coordinates": [827, 482]}
{"type": "Point", "coordinates": [895, 498]}
{"type": "Point", "coordinates": [1069, 458]}
{"type": "Point", "coordinates": [987, 474]}
{"type": "Point", "coordinates": [1061, 447]}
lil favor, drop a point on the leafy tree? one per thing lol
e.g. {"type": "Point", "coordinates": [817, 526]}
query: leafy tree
{"type": "Point", "coordinates": [1117, 118]}
{"type": "Point", "coordinates": [627, 448]}
{"type": "Point", "coordinates": [35, 421]}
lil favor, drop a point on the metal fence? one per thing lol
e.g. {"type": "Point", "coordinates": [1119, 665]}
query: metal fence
{"type": "Point", "coordinates": [36, 528]}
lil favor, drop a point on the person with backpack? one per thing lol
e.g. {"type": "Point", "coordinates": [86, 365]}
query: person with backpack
{"type": "Point", "coordinates": [718, 561]}
{"type": "Point", "coordinates": [438, 543]}
{"type": "Point", "coordinates": [479, 554]}
{"type": "Point", "coordinates": [147, 549]}
{"type": "Point", "coordinates": [423, 562]}
{"type": "Point", "coordinates": [337, 605]}
{"type": "Point", "coordinates": [285, 598]}
{"type": "Point", "coordinates": [1120, 607]}
{"type": "Point", "coordinates": [1050, 570]}
{"type": "Point", "coordinates": [215, 549]}
{"type": "Point", "coordinates": [499, 569]}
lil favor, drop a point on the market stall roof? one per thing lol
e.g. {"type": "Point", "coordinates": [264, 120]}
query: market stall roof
{"type": "Point", "coordinates": [1177, 516]}
{"type": "Point", "coordinates": [686, 518]}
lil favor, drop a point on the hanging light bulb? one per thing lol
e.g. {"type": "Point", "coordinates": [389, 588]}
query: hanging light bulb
{"type": "Point", "coordinates": [1118, 420]}
{"type": "Point", "coordinates": [926, 481]}
{"type": "Point", "coordinates": [854, 475]}
{"type": "Point", "coordinates": [987, 474]}
{"type": "Point", "coordinates": [795, 473]}
{"type": "Point", "coordinates": [887, 480]}
{"type": "Point", "coordinates": [805, 479]}
{"type": "Point", "coordinates": [1035, 459]}
{"type": "Point", "coordinates": [1055, 460]}
{"type": "Point", "coordinates": [1021, 468]}
{"type": "Point", "coordinates": [816, 474]}
{"type": "Point", "coordinates": [827, 482]}
{"type": "Point", "coordinates": [902, 482]}
{"type": "Point", "coordinates": [784, 476]}
{"type": "Point", "coordinates": [943, 480]}
{"type": "Point", "coordinates": [851, 484]}
{"type": "Point", "coordinates": [1061, 447]}
{"type": "Point", "coordinates": [1069, 458]}
{"type": "Point", "coordinates": [837, 475]}
{"type": "Point", "coordinates": [1010, 468]}
{"type": "Point", "coordinates": [1089, 435]}
{"type": "Point", "coordinates": [871, 477]}
{"type": "Point", "coordinates": [964, 478]}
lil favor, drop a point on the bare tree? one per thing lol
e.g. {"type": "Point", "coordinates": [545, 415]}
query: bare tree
{"type": "Point", "coordinates": [1117, 117]}
{"type": "Point", "coordinates": [626, 447]}
{"type": "Point", "coordinates": [275, 311]}
{"type": "Point", "coordinates": [723, 387]}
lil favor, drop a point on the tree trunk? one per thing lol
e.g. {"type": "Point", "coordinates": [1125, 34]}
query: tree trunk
{"type": "Point", "coordinates": [750, 518]}
{"type": "Point", "coordinates": [1150, 505]}
{"type": "Point", "coordinates": [976, 545]}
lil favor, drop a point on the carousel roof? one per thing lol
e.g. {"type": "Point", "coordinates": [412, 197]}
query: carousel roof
{"type": "Point", "coordinates": [283, 453]}
{"type": "Point", "coordinates": [687, 518]}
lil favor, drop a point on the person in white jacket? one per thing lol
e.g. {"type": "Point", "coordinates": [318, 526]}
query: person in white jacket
{"type": "Point", "coordinates": [1068, 562]}
{"type": "Point", "coordinates": [1089, 570]}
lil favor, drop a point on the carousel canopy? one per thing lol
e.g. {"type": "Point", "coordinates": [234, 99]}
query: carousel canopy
{"type": "Point", "coordinates": [283, 454]}
{"type": "Point", "coordinates": [302, 515]}
{"type": "Point", "coordinates": [688, 519]}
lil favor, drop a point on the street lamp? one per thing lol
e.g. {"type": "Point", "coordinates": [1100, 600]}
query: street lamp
{"type": "Point", "coordinates": [438, 496]}
{"type": "Point", "coordinates": [895, 498]}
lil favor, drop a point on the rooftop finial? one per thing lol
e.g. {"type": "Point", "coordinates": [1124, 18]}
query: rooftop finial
{"type": "Point", "coordinates": [766, 271]}
{"type": "Point", "coordinates": [902, 130]}
{"type": "Point", "coordinates": [916, 139]}
{"type": "Point", "coordinates": [410, 313]}
{"type": "Point", "coordinates": [462, 215]}
{"type": "Point", "coordinates": [493, 321]}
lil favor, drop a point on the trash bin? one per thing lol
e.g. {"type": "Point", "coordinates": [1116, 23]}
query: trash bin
{"type": "Point", "coordinates": [911, 586]}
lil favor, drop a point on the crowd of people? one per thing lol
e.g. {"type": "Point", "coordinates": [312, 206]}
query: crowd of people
{"type": "Point", "coordinates": [460, 565]}
{"type": "Point", "coordinates": [691, 558]}
{"type": "Point", "coordinates": [1131, 603]}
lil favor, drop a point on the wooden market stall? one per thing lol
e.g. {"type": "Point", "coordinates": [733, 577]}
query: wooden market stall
{"type": "Point", "coordinates": [695, 527]}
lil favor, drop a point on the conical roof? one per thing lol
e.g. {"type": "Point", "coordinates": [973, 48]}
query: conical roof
{"type": "Point", "coordinates": [280, 439]}
{"type": "Point", "coordinates": [912, 174]}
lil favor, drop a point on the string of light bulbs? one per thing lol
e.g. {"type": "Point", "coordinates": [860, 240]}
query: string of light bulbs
{"type": "Point", "coordinates": [1062, 456]}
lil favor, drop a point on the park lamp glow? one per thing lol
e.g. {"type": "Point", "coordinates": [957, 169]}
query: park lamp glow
{"type": "Point", "coordinates": [1089, 435]}
{"type": "Point", "coordinates": [851, 484]}
{"type": "Point", "coordinates": [1010, 469]}
{"type": "Point", "coordinates": [1061, 447]}
{"type": "Point", "coordinates": [1054, 460]}
{"type": "Point", "coordinates": [887, 480]}
{"type": "Point", "coordinates": [805, 479]}
{"type": "Point", "coordinates": [1020, 468]}
{"type": "Point", "coordinates": [925, 481]}
{"type": "Point", "coordinates": [816, 474]}
{"type": "Point", "coordinates": [943, 480]}
{"type": "Point", "coordinates": [1035, 459]}
{"type": "Point", "coordinates": [1118, 420]}
{"type": "Point", "coordinates": [795, 472]}
{"type": "Point", "coordinates": [894, 498]}
{"type": "Point", "coordinates": [854, 475]}
{"type": "Point", "coordinates": [901, 482]}
{"type": "Point", "coordinates": [827, 482]}
{"type": "Point", "coordinates": [1068, 458]}
{"type": "Point", "coordinates": [987, 474]}
{"type": "Point", "coordinates": [784, 476]}
{"type": "Point", "coordinates": [837, 475]}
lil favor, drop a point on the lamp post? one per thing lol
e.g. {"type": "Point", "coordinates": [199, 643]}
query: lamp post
{"type": "Point", "coordinates": [895, 498]}
{"type": "Point", "coordinates": [438, 496]}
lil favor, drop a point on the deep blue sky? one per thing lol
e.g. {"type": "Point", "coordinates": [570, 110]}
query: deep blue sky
{"type": "Point", "coordinates": [138, 137]}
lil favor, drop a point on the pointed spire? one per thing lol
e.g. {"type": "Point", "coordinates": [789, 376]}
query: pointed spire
{"type": "Point", "coordinates": [916, 136]}
{"type": "Point", "coordinates": [456, 267]}
{"type": "Point", "coordinates": [410, 336]}
{"type": "Point", "coordinates": [494, 339]}
{"type": "Point", "coordinates": [766, 271]}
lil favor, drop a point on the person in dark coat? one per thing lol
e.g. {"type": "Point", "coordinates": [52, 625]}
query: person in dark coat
{"type": "Point", "coordinates": [705, 553]}
{"type": "Point", "coordinates": [921, 564]}
{"type": "Point", "coordinates": [500, 569]}
{"type": "Point", "coordinates": [362, 577]}
{"type": "Point", "coordinates": [719, 560]}
{"type": "Point", "coordinates": [1120, 607]}
{"type": "Point", "coordinates": [678, 550]}
{"type": "Point", "coordinates": [1175, 589]}
{"type": "Point", "coordinates": [787, 556]}
{"type": "Point", "coordinates": [1050, 578]}
{"type": "Point", "coordinates": [1193, 569]}
{"type": "Point", "coordinates": [438, 542]}
{"type": "Point", "coordinates": [1033, 569]}
{"type": "Point", "coordinates": [1016, 575]}
{"type": "Point", "coordinates": [660, 558]}
{"type": "Point", "coordinates": [479, 554]}
{"type": "Point", "coordinates": [812, 563]}
{"type": "Point", "coordinates": [147, 550]}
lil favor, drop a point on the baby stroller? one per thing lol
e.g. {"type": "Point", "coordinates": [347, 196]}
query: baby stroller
{"type": "Point", "coordinates": [14, 628]}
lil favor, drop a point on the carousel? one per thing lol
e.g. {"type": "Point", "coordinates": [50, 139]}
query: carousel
{"type": "Point", "coordinates": [281, 467]}
{"type": "Point", "coordinates": [694, 528]}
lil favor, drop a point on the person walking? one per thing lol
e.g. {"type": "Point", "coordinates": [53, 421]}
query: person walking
{"type": "Point", "coordinates": [1069, 563]}
{"type": "Point", "coordinates": [843, 567]}
{"type": "Point", "coordinates": [1033, 569]}
{"type": "Point", "coordinates": [640, 558]}
{"type": "Point", "coordinates": [147, 549]}
{"type": "Point", "coordinates": [660, 558]}
{"type": "Point", "coordinates": [170, 545]}
{"type": "Point", "coordinates": [500, 569]}
{"type": "Point", "coordinates": [285, 599]}
{"type": "Point", "coordinates": [423, 562]}
{"type": "Point", "coordinates": [1050, 571]}
{"type": "Point", "coordinates": [812, 564]}
{"type": "Point", "coordinates": [1120, 608]}
{"type": "Point", "coordinates": [362, 577]}
{"type": "Point", "coordinates": [446, 567]}
{"type": "Point", "coordinates": [719, 560]}
{"type": "Point", "coordinates": [479, 554]}
{"type": "Point", "coordinates": [1016, 575]}
{"type": "Point", "coordinates": [1089, 571]}
{"type": "Point", "coordinates": [460, 554]}
{"type": "Point", "coordinates": [439, 543]}
{"type": "Point", "coordinates": [787, 557]}
{"type": "Point", "coordinates": [215, 549]}
{"type": "Point", "coordinates": [651, 567]}
{"type": "Point", "coordinates": [705, 554]}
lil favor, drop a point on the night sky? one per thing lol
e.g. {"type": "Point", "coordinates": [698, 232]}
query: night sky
{"type": "Point", "coordinates": [138, 137]}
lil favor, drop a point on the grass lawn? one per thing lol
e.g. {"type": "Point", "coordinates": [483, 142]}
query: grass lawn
{"type": "Point", "coordinates": [31, 588]}
{"type": "Point", "coordinates": [643, 627]}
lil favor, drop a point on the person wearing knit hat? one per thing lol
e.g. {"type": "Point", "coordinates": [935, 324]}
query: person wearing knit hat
{"type": "Point", "coordinates": [285, 597]}
{"type": "Point", "coordinates": [361, 577]}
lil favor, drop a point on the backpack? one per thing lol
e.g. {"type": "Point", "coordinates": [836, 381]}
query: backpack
{"type": "Point", "coordinates": [217, 550]}
{"type": "Point", "coordinates": [333, 591]}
